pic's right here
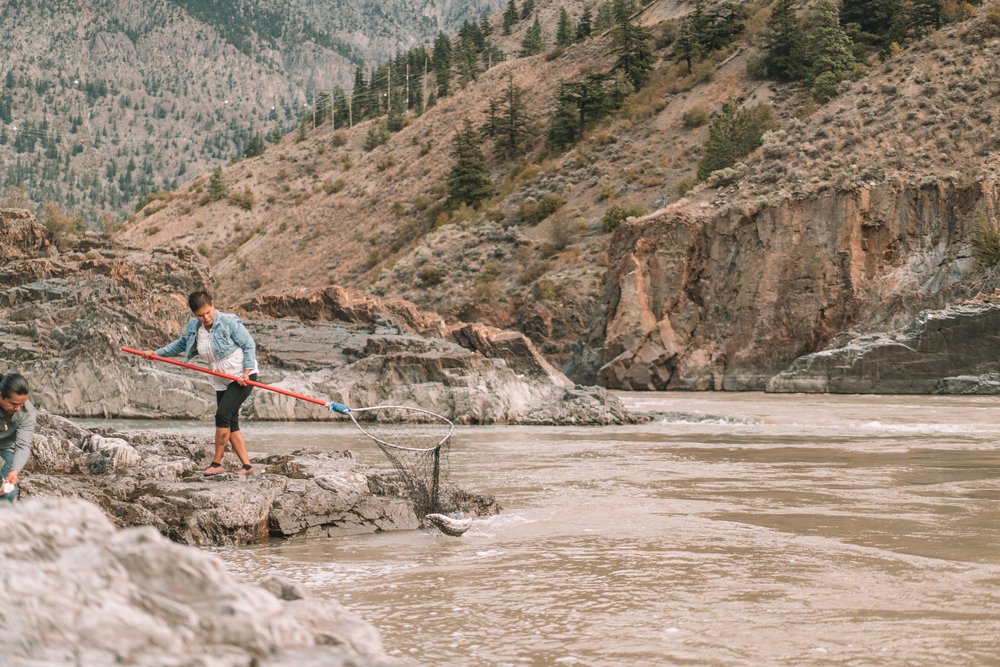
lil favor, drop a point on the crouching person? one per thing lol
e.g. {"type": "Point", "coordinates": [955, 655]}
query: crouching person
{"type": "Point", "coordinates": [17, 428]}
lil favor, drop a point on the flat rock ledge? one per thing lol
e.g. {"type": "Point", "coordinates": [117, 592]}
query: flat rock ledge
{"type": "Point", "coordinates": [78, 591]}
{"type": "Point", "coordinates": [154, 479]}
{"type": "Point", "coordinates": [947, 351]}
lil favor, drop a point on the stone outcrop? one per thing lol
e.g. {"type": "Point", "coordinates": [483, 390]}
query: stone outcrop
{"type": "Point", "coordinates": [154, 479]}
{"type": "Point", "coordinates": [725, 297]}
{"type": "Point", "coordinates": [86, 593]}
{"type": "Point", "coordinates": [64, 316]}
{"type": "Point", "coordinates": [945, 351]}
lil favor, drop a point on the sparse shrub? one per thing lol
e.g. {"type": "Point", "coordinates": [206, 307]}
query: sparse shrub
{"type": "Point", "coordinates": [64, 228]}
{"type": "Point", "coordinates": [545, 290]}
{"type": "Point", "coordinates": [203, 249]}
{"type": "Point", "coordinates": [385, 163]}
{"type": "Point", "coordinates": [986, 242]}
{"type": "Point", "coordinates": [333, 187]}
{"type": "Point", "coordinates": [615, 215]}
{"type": "Point", "coordinates": [152, 230]}
{"type": "Point", "coordinates": [532, 213]}
{"type": "Point", "coordinates": [339, 139]}
{"type": "Point", "coordinates": [431, 276]}
{"type": "Point", "coordinates": [607, 191]}
{"type": "Point", "coordinates": [695, 117]}
{"type": "Point", "coordinates": [243, 199]}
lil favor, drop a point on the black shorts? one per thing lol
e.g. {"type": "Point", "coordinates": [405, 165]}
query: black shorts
{"type": "Point", "coordinates": [228, 403]}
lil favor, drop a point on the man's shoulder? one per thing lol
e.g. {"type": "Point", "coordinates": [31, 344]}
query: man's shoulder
{"type": "Point", "coordinates": [28, 414]}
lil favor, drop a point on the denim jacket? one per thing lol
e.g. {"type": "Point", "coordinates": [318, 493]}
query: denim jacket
{"type": "Point", "coordinates": [227, 334]}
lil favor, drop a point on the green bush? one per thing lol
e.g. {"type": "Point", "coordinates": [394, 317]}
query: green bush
{"type": "Point", "coordinates": [615, 215]}
{"type": "Point", "coordinates": [532, 213]}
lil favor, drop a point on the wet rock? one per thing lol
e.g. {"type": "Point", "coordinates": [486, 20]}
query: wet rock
{"type": "Point", "coordinates": [86, 593]}
{"type": "Point", "coordinates": [154, 479]}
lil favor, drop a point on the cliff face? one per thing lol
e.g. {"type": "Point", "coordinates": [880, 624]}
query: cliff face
{"type": "Point", "coordinates": [701, 296]}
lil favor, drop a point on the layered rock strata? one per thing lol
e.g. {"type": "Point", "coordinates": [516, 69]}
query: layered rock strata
{"type": "Point", "coordinates": [64, 316]}
{"type": "Point", "coordinates": [952, 351]}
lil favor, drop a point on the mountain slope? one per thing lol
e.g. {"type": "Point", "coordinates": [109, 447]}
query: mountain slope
{"type": "Point", "coordinates": [327, 211]}
{"type": "Point", "coordinates": [105, 100]}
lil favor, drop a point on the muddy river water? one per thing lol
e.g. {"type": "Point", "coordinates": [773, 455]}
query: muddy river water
{"type": "Point", "coordinates": [738, 529]}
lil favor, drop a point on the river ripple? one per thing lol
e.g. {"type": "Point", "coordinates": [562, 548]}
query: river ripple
{"type": "Point", "coordinates": [741, 529]}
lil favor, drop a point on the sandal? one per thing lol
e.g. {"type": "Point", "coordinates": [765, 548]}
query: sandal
{"type": "Point", "coordinates": [214, 469]}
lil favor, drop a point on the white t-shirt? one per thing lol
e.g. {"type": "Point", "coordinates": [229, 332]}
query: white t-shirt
{"type": "Point", "coordinates": [231, 365]}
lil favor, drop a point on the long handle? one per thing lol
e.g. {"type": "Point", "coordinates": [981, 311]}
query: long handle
{"type": "Point", "coordinates": [268, 387]}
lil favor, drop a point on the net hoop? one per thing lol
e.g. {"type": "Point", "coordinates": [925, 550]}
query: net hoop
{"type": "Point", "coordinates": [380, 438]}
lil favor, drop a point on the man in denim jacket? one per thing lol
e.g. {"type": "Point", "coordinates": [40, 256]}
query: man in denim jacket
{"type": "Point", "coordinates": [224, 343]}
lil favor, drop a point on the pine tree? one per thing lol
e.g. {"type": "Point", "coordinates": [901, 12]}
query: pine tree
{"type": "Point", "coordinates": [565, 34]}
{"type": "Point", "coordinates": [585, 27]}
{"type": "Point", "coordinates": [579, 103]}
{"type": "Point", "coordinates": [878, 20]}
{"type": "Point", "coordinates": [527, 9]}
{"type": "Point", "coordinates": [511, 125]}
{"type": "Point", "coordinates": [830, 52]}
{"type": "Point", "coordinates": [782, 43]}
{"type": "Point", "coordinates": [922, 17]}
{"type": "Point", "coordinates": [217, 188]}
{"type": "Point", "coordinates": [733, 134]}
{"type": "Point", "coordinates": [441, 61]}
{"type": "Point", "coordinates": [468, 180]}
{"type": "Point", "coordinates": [510, 17]}
{"type": "Point", "coordinates": [635, 56]}
{"type": "Point", "coordinates": [532, 43]}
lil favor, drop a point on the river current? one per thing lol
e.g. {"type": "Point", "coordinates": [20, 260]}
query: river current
{"type": "Point", "coordinates": [737, 529]}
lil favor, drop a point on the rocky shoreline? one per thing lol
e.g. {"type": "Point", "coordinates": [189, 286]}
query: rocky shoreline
{"type": "Point", "coordinates": [65, 314]}
{"type": "Point", "coordinates": [149, 478]}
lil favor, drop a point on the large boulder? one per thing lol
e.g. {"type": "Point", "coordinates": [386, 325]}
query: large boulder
{"type": "Point", "coordinates": [76, 590]}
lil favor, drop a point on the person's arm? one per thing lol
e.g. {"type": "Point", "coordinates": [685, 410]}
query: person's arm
{"type": "Point", "coordinates": [242, 337]}
{"type": "Point", "coordinates": [175, 347]}
{"type": "Point", "coordinates": [22, 444]}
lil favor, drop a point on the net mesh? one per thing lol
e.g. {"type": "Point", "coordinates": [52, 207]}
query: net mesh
{"type": "Point", "coordinates": [416, 442]}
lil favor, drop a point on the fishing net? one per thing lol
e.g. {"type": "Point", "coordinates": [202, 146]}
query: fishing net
{"type": "Point", "coordinates": [416, 442]}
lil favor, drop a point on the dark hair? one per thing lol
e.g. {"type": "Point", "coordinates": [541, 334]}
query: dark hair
{"type": "Point", "coordinates": [13, 383]}
{"type": "Point", "coordinates": [198, 299]}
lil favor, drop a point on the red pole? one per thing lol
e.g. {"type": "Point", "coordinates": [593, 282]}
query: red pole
{"type": "Point", "coordinates": [224, 375]}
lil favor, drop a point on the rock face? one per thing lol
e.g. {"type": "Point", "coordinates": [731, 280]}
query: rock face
{"type": "Point", "coordinates": [88, 594]}
{"type": "Point", "coordinates": [946, 351]}
{"type": "Point", "coordinates": [725, 298]}
{"type": "Point", "coordinates": [154, 479]}
{"type": "Point", "coordinates": [63, 318]}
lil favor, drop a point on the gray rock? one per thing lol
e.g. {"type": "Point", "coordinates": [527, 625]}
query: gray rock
{"type": "Point", "coordinates": [158, 483]}
{"type": "Point", "coordinates": [88, 594]}
{"type": "Point", "coordinates": [952, 350]}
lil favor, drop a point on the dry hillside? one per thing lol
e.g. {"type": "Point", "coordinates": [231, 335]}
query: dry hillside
{"type": "Point", "coordinates": [322, 210]}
